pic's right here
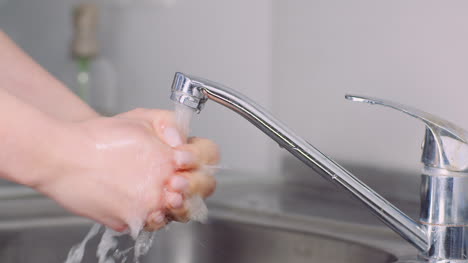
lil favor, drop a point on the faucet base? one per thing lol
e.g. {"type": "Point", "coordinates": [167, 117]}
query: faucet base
{"type": "Point", "coordinates": [445, 214]}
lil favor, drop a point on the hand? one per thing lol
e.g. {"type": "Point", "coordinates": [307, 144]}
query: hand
{"type": "Point", "coordinates": [130, 170]}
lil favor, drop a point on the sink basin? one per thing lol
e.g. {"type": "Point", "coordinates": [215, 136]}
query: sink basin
{"type": "Point", "coordinates": [231, 242]}
{"type": "Point", "coordinates": [249, 222]}
{"type": "Point", "coordinates": [218, 241]}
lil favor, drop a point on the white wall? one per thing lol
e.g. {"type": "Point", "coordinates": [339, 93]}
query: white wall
{"type": "Point", "coordinates": [413, 52]}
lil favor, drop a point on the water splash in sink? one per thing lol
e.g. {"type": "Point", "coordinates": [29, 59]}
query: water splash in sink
{"type": "Point", "coordinates": [76, 252]}
{"type": "Point", "coordinates": [107, 250]}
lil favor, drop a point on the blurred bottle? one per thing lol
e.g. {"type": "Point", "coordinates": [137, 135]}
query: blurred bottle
{"type": "Point", "coordinates": [90, 76]}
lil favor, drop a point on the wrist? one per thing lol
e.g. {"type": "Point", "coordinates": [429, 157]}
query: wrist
{"type": "Point", "coordinates": [35, 147]}
{"type": "Point", "coordinates": [43, 161]}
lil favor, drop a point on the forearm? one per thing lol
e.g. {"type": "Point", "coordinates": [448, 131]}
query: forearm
{"type": "Point", "coordinates": [29, 82]}
{"type": "Point", "coordinates": [28, 141]}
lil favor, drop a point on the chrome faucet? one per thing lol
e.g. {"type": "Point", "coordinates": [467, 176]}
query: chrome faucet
{"type": "Point", "coordinates": [441, 235]}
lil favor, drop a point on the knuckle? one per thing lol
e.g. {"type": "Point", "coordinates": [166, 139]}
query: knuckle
{"type": "Point", "coordinates": [206, 147]}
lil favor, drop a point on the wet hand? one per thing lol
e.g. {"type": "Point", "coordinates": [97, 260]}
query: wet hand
{"type": "Point", "coordinates": [195, 165]}
{"type": "Point", "coordinates": [130, 171]}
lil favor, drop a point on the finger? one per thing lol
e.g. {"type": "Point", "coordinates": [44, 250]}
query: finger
{"type": "Point", "coordinates": [174, 200]}
{"type": "Point", "coordinates": [176, 209]}
{"type": "Point", "coordinates": [203, 152]}
{"type": "Point", "coordinates": [200, 182]}
{"type": "Point", "coordinates": [194, 209]}
{"type": "Point", "coordinates": [181, 214]}
{"type": "Point", "coordinates": [151, 115]}
{"type": "Point", "coordinates": [155, 221]}
{"type": "Point", "coordinates": [178, 184]}
{"type": "Point", "coordinates": [167, 130]}
{"type": "Point", "coordinates": [185, 159]}
{"type": "Point", "coordinates": [163, 123]}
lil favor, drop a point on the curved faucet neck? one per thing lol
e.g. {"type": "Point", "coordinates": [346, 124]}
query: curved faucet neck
{"type": "Point", "coordinates": [194, 92]}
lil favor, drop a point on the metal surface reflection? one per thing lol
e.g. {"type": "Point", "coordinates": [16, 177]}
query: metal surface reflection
{"type": "Point", "coordinates": [440, 234]}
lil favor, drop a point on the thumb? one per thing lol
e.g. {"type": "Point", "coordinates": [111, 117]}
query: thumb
{"type": "Point", "coordinates": [163, 123]}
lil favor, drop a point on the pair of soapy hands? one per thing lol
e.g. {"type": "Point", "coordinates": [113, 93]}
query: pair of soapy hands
{"type": "Point", "coordinates": [132, 170]}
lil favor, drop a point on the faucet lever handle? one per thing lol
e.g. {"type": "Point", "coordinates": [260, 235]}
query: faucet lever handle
{"type": "Point", "coordinates": [445, 145]}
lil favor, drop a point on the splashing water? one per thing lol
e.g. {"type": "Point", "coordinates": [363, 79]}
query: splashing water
{"type": "Point", "coordinates": [197, 209]}
{"type": "Point", "coordinates": [142, 244]}
{"type": "Point", "coordinates": [107, 250]}
{"type": "Point", "coordinates": [77, 252]}
{"type": "Point", "coordinates": [108, 243]}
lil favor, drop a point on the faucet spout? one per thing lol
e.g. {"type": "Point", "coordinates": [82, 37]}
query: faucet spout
{"type": "Point", "coordinates": [194, 92]}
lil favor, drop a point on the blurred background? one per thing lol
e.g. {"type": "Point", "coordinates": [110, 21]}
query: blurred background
{"type": "Point", "coordinates": [298, 58]}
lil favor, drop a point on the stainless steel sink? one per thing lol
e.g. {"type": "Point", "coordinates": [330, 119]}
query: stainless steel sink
{"type": "Point", "coordinates": [253, 227]}
{"type": "Point", "coordinates": [236, 242]}
{"type": "Point", "coordinates": [218, 241]}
